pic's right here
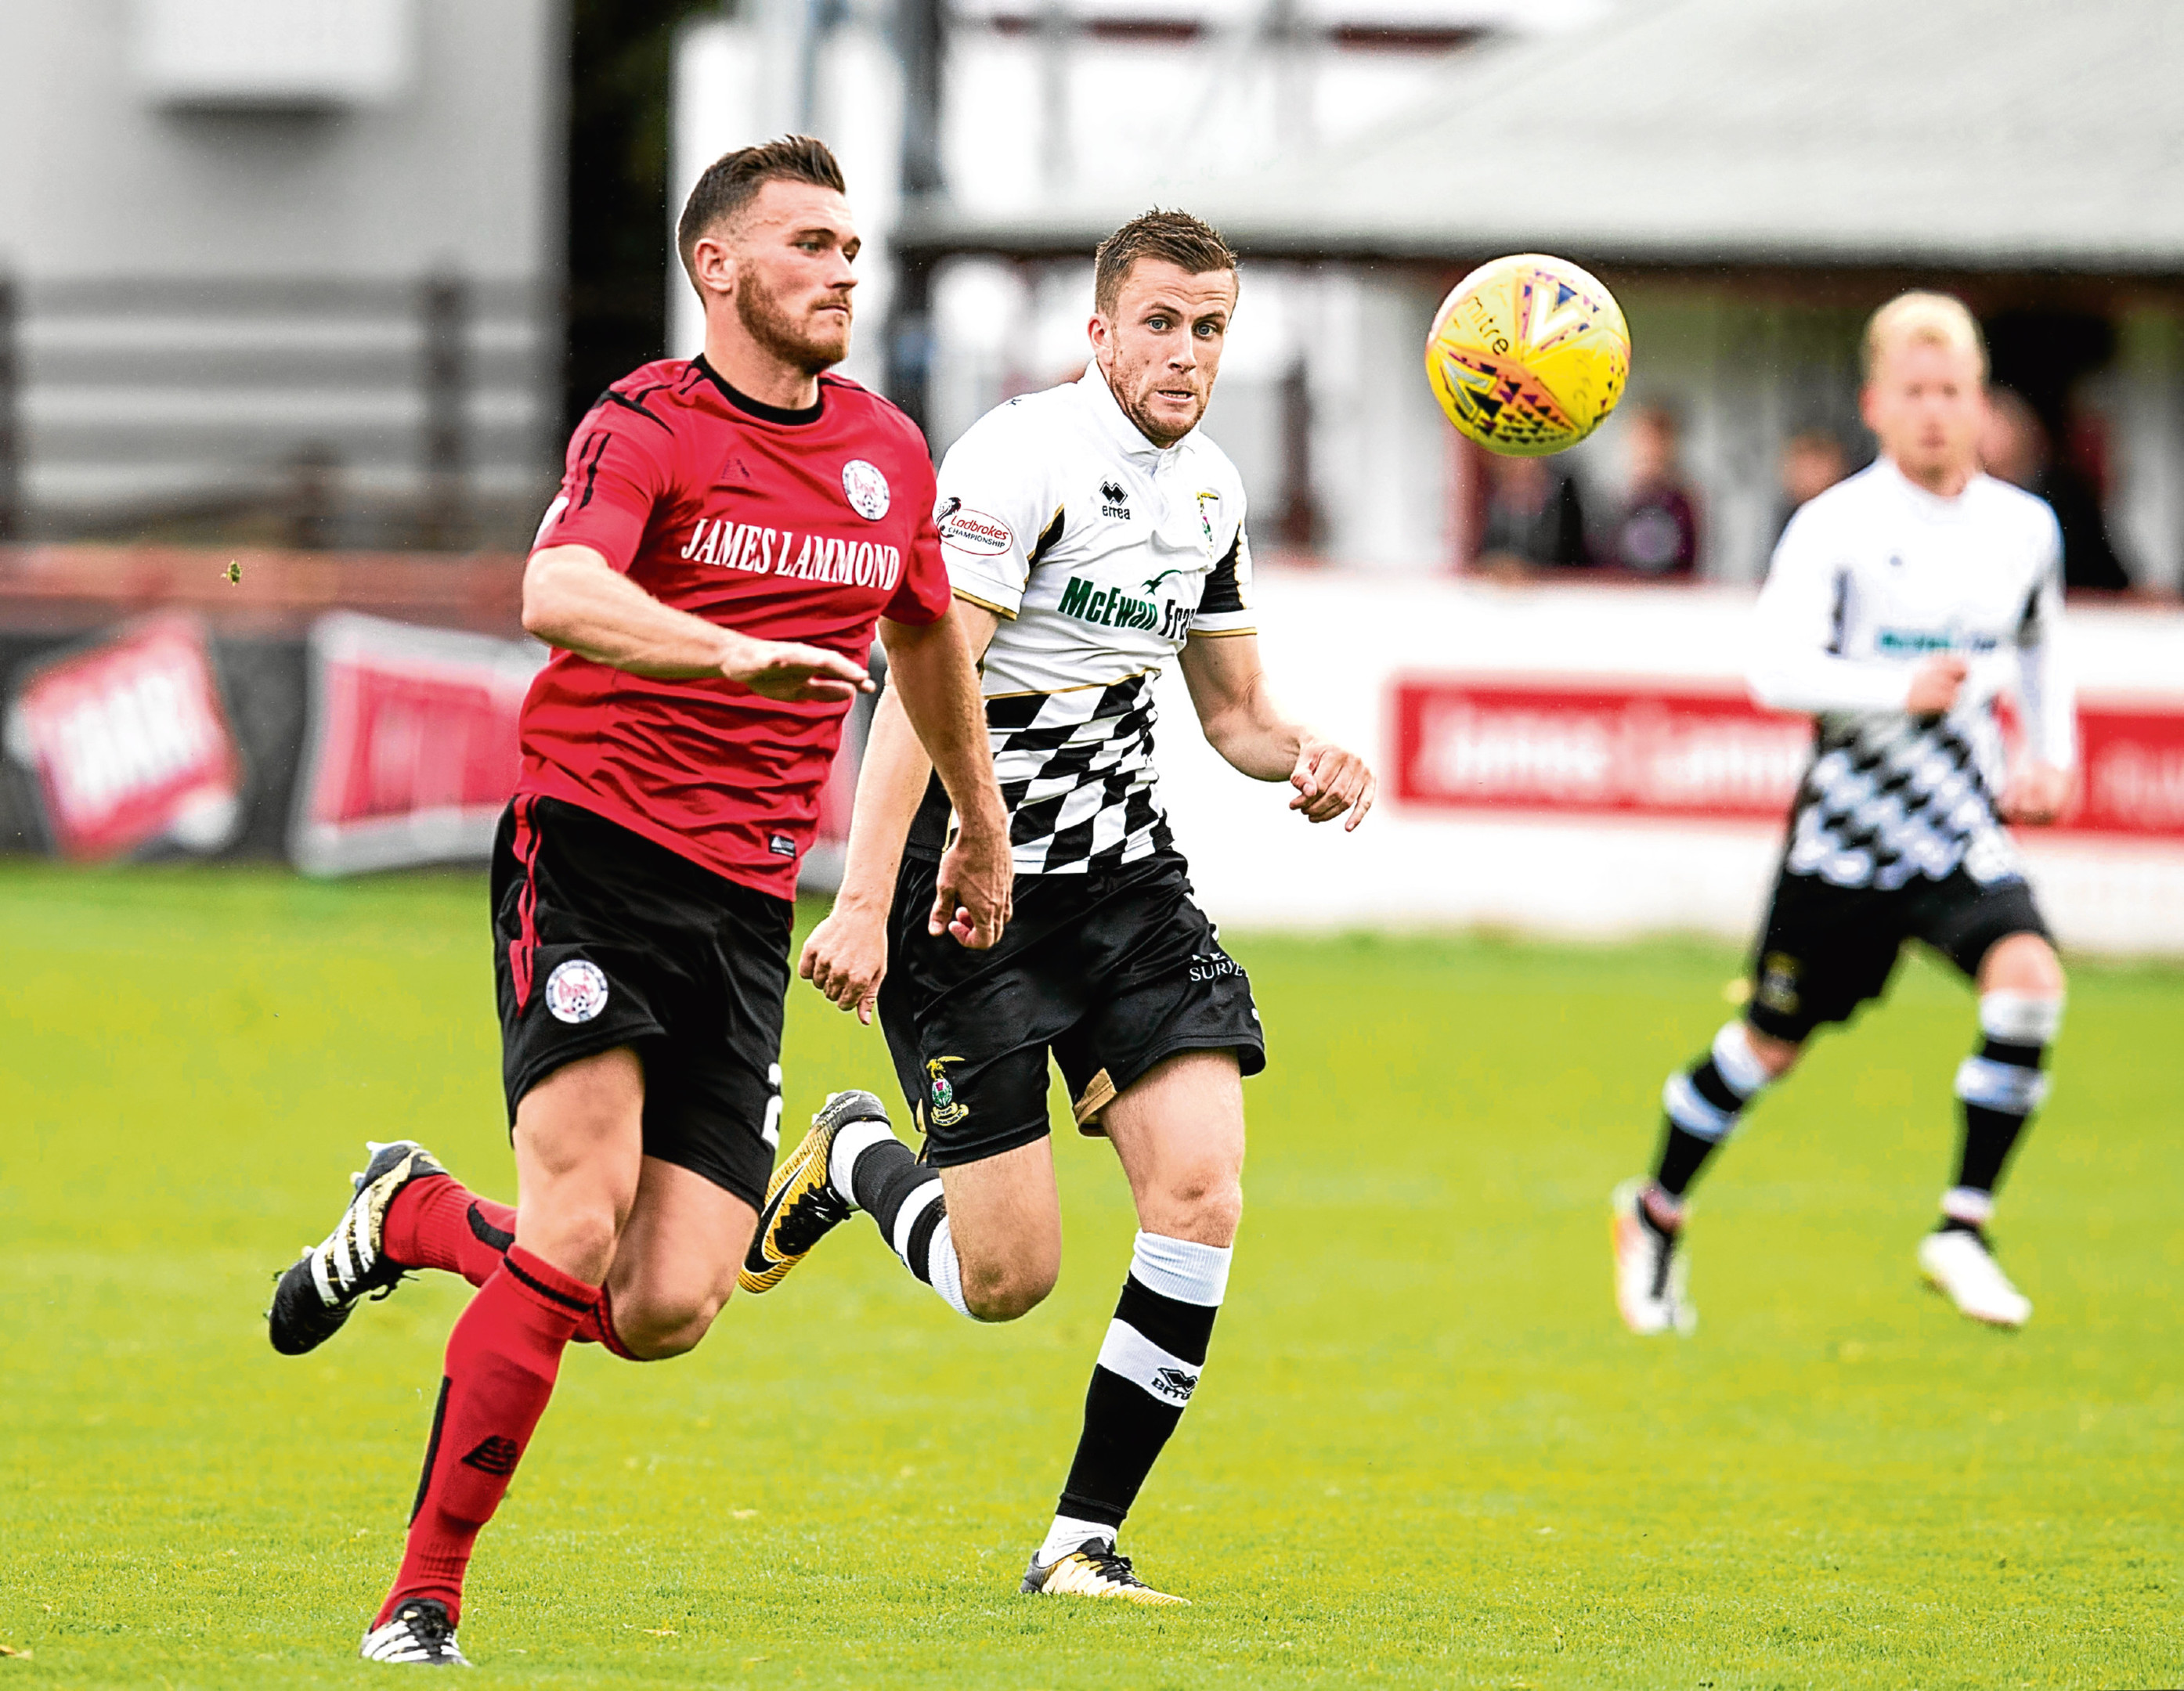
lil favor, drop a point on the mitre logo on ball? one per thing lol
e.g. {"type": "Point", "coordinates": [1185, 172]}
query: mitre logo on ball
{"type": "Point", "coordinates": [1527, 355]}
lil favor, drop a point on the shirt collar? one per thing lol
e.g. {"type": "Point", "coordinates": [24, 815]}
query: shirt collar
{"type": "Point", "coordinates": [1928, 505]}
{"type": "Point", "coordinates": [1115, 425]}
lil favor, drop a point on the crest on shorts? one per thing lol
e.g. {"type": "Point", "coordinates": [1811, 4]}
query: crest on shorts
{"type": "Point", "coordinates": [867, 488]}
{"type": "Point", "coordinates": [944, 1111]}
{"type": "Point", "coordinates": [576, 991]}
{"type": "Point", "coordinates": [1778, 983]}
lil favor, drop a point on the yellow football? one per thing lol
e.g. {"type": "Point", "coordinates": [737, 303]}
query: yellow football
{"type": "Point", "coordinates": [1527, 355]}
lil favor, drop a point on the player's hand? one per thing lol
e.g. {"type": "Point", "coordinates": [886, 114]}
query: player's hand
{"type": "Point", "coordinates": [2036, 793]}
{"type": "Point", "coordinates": [846, 959]}
{"type": "Point", "coordinates": [1331, 781]}
{"type": "Point", "coordinates": [794, 674]}
{"type": "Point", "coordinates": [1935, 684]}
{"type": "Point", "coordinates": [976, 887]}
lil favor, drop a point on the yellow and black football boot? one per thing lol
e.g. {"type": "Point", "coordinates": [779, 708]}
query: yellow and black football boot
{"type": "Point", "coordinates": [802, 1206]}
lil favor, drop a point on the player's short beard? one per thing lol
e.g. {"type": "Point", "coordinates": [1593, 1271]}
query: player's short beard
{"type": "Point", "coordinates": [782, 336]}
{"type": "Point", "coordinates": [1158, 431]}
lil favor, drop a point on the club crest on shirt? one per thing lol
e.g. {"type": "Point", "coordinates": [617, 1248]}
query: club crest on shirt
{"type": "Point", "coordinates": [1209, 507]}
{"type": "Point", "coordinates": [945, 1111]}
{"type": "Point", "coordinates": [867, 488]}
{"type": "Point", "coordinates": [576, 991]}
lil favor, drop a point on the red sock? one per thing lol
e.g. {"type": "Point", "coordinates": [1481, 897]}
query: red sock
{"type": "Point", "coordinates": [439, 1222]}
{"type": "Point", "coordinates": [598, 1328]}
{"type": "Point", "coordinates": [501, 1358]}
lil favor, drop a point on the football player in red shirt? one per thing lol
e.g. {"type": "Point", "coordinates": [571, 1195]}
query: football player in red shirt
{"type": "Point", "coordinates": [730, 531]}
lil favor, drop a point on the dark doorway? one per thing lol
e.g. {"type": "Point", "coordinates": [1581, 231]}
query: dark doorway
{"type": "Point", "coordinates": [2044, 357]}
{"type": "Point", "coordinates": [617, 208]}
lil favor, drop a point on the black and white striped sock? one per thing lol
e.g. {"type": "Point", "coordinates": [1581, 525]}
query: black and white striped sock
{"type": "Point", "coordinates": [1997, 1089]}
{"type": "Point", "coordinates": [879, 1174]}
{"type": "Point", "coordinates": [1149, 1366]}
{"type": "Point", "coordinates": [1699, 1108]}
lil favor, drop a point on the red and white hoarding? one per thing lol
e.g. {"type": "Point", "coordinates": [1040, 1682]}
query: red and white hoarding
{"type": "Point", "coordinates": [411, 750]}
{"type": "Point", "coordinates": [1584, 760]}
{"type": "Point", "coordinates": [1666, 750]}
{"type": "Point", "coordinates": [131, 744]}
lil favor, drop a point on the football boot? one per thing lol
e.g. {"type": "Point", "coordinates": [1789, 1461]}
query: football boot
{"type": "Point", "coordinates": [1961, 1266]}
{"type": "Point", "coordinates": [316, 1292]}
{"type": "Point", "coordinates": [421, 1635]}
{"type": "Point", "coordinates": [1649, 1268]}
{"type": "Point", "coordinates": [1094, 1569]}
{"type": "Point", "coordinates": [802, 1206]}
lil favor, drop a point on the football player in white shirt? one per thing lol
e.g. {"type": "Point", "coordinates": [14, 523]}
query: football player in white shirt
{"type": "Point", "coordinates": [1901, 603]}
{"type": "Point", "coordinates": [1093, 536]}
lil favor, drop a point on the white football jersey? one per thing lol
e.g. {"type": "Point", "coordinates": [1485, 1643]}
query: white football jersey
{"type": "Point", "coordinates": [1869, 578]}
{"type": "Point", "coordinates": [1102, 553]}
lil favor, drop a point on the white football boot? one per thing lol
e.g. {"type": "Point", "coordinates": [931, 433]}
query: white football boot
{"type": "Point", "coordinates": [1649, 1270]}
{"type": "Point", "coordinates": [1960, 1266]}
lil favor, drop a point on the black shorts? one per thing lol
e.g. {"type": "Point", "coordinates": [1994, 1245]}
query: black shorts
{"type": "Point", "coordinates": [1827, 949]}
{"type": "Point", "coordinates": [1111, 970]}
{"type": "Point", "coordinates": [602, 938]}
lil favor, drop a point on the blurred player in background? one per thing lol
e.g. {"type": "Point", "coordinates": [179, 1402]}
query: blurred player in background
{"type": "Point", "coordinates": [1093, 536]}
{"type": "Point", "coordinates": [730, 530]}
{"type": "Point", "coordinates": [1900, 604]}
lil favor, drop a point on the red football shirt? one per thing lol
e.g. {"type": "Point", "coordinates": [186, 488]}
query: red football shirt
{"type": "Point", "coordinates": [806, 525]}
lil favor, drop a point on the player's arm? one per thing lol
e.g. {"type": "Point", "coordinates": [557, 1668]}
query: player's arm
{"type": "Point", "coordinates": [575, 600]}
{"type": "Point", "coordinates": [1792, 668]}
{"type": "Point", "coordinates": [2040, 789]}
{"type": "Point", "coordinates": [846, 955]}
{"type": "Point", "coordinates": [1242, 722]}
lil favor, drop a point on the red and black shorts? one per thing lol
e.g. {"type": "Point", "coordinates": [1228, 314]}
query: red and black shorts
{"type": "Point", "coordinates": [601, 938]}
{"type": "Point", "coordinates": [1827, 949]}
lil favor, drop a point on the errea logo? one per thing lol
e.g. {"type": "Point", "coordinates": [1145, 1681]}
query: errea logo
{"type": "Point", "coordinates": [1115, 500]}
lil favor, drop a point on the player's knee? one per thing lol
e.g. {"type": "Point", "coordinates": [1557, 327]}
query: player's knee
{"type": "Point", "coordinates": [656, 1328]}
{"type": "Point", "coordinates": [577, 1237]}
{"type": "Point", "coordinates": [2023, 964]}
{"type": "Point", "coordinates": [1003, 1291]}
{"type": "Point", "coordinates": [1204, 1204]}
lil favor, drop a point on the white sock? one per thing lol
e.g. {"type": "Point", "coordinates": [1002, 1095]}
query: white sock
{"type": "Point", "coordinates": [1067, 1535]}
{"type": "Point", "coordinates": [850, 1143]}
{"type": "Point", "coordinates": [944, 1271]}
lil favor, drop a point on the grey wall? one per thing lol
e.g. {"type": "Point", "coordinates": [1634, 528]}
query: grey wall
{"type": "Point", "coordinates": [207, 293]}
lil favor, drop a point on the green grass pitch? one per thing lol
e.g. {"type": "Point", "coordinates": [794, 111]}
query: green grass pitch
{"type": "Point", "coordinates": [1425, 1453]}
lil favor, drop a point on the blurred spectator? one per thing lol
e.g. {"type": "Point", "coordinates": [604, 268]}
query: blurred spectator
{"type": "Point", "coordinates": [1535, 520]}
{"type": "Point", "coordinates": [2015, 447]}
{"type": "Point", "coordinates": [1658, 534]}
{"type": "Point", "coordinates": [1813, 461]}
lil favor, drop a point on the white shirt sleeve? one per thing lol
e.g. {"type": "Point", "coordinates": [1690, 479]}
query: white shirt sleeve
{"type": "Point", "coordinates": [992, 509]}
{"type": "Point", "coordinates": [1798, 618]}
{"type": "Point", "coordinates": [2045, 686]}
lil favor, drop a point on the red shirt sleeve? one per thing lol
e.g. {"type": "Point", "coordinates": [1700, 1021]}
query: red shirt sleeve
{"type": "Point", "coordinates": [923, 595]}
{"type": "Point", "coordinates": [619, 468]}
